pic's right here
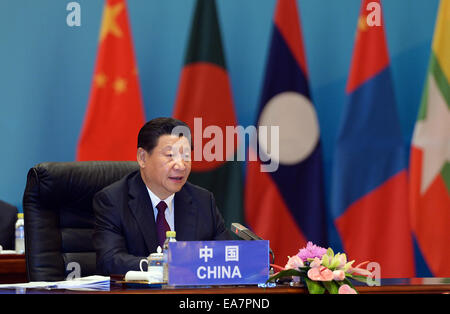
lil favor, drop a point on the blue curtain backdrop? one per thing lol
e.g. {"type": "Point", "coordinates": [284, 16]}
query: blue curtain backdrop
{"type": "Point", "coordinates": [46, 67]}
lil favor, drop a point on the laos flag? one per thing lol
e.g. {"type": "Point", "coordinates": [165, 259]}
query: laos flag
{"type": "Point", "coordinates": [284, 198]}
{"type": "Point", "coordinates": [369, 186]}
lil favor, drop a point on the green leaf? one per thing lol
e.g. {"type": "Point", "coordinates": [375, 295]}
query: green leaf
{"type": "Point", "coordinates": [285, 273]}
{"type": "Point", "coordinates": [330, 252]}
{"type": "Point", "coordinates": [325, 260]}
{"type": "Point", "coordinates": [360, 278]}
{"type": "Point", "coordinates": [331, 286]}
{"type": "Point", "coordinates": [334, 262]}
{"type": "Point", "coordinates": [314, 287]}
{"type": "Point", "coordinates": [357, 277]}
{"type": "Point", "coordinates": [348, 282]}
{"type": "Point", "coordinates": [348, 265]}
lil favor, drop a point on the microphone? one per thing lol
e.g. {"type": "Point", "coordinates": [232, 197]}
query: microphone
{"type": "Point", "coordinates": [246, 234]}
{"type": "Point", "coordinates": [243, 232]}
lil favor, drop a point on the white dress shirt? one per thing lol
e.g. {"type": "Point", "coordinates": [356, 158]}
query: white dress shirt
{"type": "Point", "coordinates": [170, 210]}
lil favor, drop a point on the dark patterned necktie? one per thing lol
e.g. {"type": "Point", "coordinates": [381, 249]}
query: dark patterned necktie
{"type": "Point", "coordinates": [161, 224]}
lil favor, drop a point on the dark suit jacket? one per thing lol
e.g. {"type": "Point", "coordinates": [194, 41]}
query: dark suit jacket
{"type": "Point", "coordinates": [125, 228]}
{"type": "Point", "coordinates": [8, 218]}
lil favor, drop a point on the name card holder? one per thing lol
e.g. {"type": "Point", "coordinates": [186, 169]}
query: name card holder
{"type": "Point", "coordinates": [218, 262]}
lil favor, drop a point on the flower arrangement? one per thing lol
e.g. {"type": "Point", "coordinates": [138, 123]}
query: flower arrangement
{"type": "Point", "coordinates": [322, 270]}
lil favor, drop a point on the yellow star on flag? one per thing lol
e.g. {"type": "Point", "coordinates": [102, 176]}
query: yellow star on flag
{"type": "Point", "coordinates": [120, 85]}
{"type": "Point", "coordinates": [362, 23]}
{"type": "Point", "coordinates": [100, 80]}
{"type": "Point", "coordinates": [109, 23]}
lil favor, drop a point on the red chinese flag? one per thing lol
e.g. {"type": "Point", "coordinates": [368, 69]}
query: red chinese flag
{"type": "Point", "coordinates": [115, 111]}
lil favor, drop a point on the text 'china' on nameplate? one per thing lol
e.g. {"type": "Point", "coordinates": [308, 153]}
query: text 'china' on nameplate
{"type": "Point", "coordinates": [218, 262]}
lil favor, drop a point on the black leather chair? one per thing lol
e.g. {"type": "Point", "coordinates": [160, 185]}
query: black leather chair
{"type": "Point", "coordinates": [58, 214]}
{"type": "Point", "coordinates": [8, 218]}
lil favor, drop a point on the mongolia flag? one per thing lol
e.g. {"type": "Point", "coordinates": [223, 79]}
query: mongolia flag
{"type": "Point", "coordinates": [430, 155]}
{"type": "Point", "coordinates": [285, 204]}
{"type": "Point", "coordinates": [369, 188]}
{"type": "Point", "coordinates": [115, 111]}
{"type": "Point", "coordinates": [204, 101]}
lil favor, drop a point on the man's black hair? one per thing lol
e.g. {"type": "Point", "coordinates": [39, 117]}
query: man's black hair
{"type": "Point", "coordinates": [151, 131]}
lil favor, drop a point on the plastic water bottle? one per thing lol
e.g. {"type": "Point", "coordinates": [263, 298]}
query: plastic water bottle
{"type": "Point", "coordinates": [20, 234]}
{"type": "Point", "coordinates": [170, 237]}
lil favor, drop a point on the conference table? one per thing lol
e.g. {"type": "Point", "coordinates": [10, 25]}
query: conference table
{"type": "Point", "coordinates": [387, 286]}
{"type": "Point", "coordinates": [13, 270]}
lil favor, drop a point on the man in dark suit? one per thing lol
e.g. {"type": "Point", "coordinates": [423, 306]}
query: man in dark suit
{"type": "Point", "coordinates": [131, 212]}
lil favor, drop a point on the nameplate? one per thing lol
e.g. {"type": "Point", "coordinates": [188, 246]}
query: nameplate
{"type": "Point", "coordinates": [218, 262]}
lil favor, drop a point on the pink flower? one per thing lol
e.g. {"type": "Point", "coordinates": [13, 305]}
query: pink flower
{"type": "Point", "coordinates": [315, 263]}
{"type": "Point", "coordinates": [320, 274]}
{"type": "Point", "coordinates": [360, 271]}
{"type": "Point", "coordinates": [311, 251]}
{"type": "Point", "coordinates": [342, 260]}
{"type": "Point", "coordinates": [338, 275]}
{"type": "Point", "coordinates": [294, 262]}
{"type": "Point", "coordinates": [346, 289]}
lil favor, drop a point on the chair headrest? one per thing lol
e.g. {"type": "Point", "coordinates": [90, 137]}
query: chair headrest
{"type": "Point", "coordinates": [75, 182]}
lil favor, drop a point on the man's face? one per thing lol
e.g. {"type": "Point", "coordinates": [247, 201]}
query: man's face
{"type": "Point", "coordinates": [166, 169]}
